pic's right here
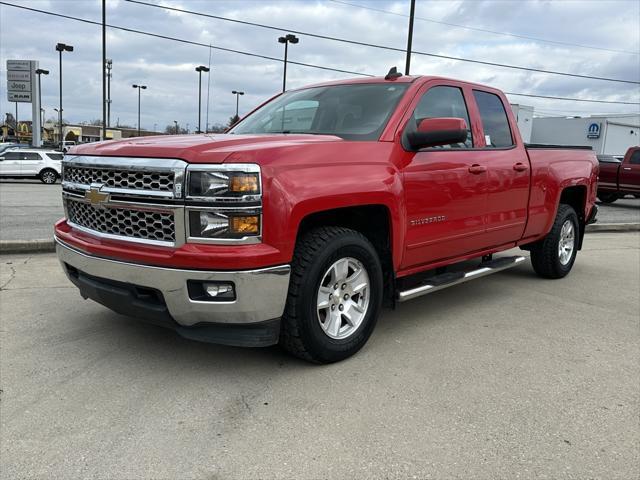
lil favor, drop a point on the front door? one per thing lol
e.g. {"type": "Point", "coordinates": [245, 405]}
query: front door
{"type": "Point", "coordinates": [445, 188]}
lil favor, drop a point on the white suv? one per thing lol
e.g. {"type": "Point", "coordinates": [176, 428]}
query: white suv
{"type": "Point", "coordinates": [31, 163]}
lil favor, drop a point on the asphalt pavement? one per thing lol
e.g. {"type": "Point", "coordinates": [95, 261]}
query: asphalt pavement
{"type": "Point", "coordinates": [510, 376]}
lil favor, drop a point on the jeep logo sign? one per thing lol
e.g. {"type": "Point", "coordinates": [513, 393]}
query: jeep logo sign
{"type": "Point", "coordinates": [594, 130]}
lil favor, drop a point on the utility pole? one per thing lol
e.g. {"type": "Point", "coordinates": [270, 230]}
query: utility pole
{"type": "Point", "coordinates": [289, 38]}
{"type": "Point", "coordinates": [410, 37]}
{"type": "Point", "coordinates": [104, 70]}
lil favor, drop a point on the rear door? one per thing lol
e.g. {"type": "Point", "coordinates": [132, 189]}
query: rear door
{"type": "Point", "coordinates": [445, 188]}
{"type": "Point", "coordinates": [509, 172]}
{"type": "Point", "coordinates": [32, 163]}
{"type": "Point", "coordinates": [630, 174]}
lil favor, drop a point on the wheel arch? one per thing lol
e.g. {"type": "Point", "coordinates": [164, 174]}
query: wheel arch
{"type": "Point", "coordinates": [576, 197]}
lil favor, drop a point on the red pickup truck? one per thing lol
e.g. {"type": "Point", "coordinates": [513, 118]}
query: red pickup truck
{"type": "Point", "coordinates": [618, 179]}
{"type": "Point", "coordinates": [317, 209]}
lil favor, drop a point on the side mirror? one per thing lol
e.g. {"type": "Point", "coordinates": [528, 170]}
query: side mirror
{"type": "Point", "coordinates": [433, 132]}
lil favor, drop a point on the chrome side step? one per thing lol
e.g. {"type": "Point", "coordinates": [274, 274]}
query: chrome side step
{"type": "Point", "coordinates": [450, 279]}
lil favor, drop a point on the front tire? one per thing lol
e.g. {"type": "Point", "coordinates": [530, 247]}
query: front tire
{"type": "Point", "coordinates": [555, 254]}
{"type": "Point", "coordinates": [335, 295]}
{"type": "Point", "coordinates": [48, 176]}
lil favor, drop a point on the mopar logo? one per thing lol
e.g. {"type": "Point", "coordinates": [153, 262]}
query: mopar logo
{"type": "Point", "coordinates": [594, 130]}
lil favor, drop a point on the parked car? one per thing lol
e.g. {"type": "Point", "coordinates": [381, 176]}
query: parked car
{"type": "Point", "coordinates": [316, 209]}
{"type": "Point", "coordinates": [66, 145]}
{"type": "Point", "coordinates": [31, 162]}
{"type": "Point", "coordinates": [619, 178]}
{"type": "Point", "coordinates": [10, 145]}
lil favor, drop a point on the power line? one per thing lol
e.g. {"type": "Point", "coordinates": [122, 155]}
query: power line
{"type": "Point", "coordinates": [181, 40]}
{"type": "Point", "coordinates": [382, 47]}
{"type": "Point", "coordinates": [190, 42]}
{"type": "Point", "coordinates": [477, 29]}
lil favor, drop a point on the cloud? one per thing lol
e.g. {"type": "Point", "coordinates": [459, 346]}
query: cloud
{"type": "Point", "coordinates": [167, 67]}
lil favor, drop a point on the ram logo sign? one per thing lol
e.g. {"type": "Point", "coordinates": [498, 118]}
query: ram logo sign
{"type": "Point", "coordinates": [594, 130]}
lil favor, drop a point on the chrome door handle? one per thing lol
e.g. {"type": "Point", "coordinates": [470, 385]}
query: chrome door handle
{"type": "Point", "coordinates": [626, 168]}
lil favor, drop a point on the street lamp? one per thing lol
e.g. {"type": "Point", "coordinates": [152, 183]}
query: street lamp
{"type": "Point", "coordinates": [289, 38]}
{"type": "Point", "coordinates": [176, 126]}
{"type": "Point", "coordinates": [109, 67]}
{"type": "Point", "coordinates": [200, 69]}
{"type": "Point", "coordinates": [61, 47]}
{"type": "Point", "coordinates": [60, 119]}
{"type": "Point", "coordinates": [39, 72]}
{"type": "Point", "coordinates": [237, 94]}
{"type": "Point", "coordinates": [139, 87]}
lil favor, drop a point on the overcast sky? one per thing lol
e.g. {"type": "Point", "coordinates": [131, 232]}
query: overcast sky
{"type": "Point", "coordinates": [610, 28]}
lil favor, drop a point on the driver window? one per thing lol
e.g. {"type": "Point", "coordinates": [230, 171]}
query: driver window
{"type": "Point", "coordinates": [440, 102]}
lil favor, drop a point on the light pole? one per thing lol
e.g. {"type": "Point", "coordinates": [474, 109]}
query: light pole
{"type": "Point", "coordinates": [200, 69]}
{"type": "Point", "coordinates": [139, 87]}
{"type": "Point", "coordinates": [39, 72]}
{"type": "Point", "coordinates": [61, 47]}
{"type": "Point", "coordinates": [289, 38]}
{"type": "Point", "coordinates": [176, 125]}
{"type": "Point", "coordinates": [109, 67]}
{"type": "Point", "coordinates": [60, 119]}
{"type": "Point", "coordinates": [237, 94]}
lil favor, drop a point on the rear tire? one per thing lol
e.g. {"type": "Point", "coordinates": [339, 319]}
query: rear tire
{"type": "Point", "coordinates": [607, 197]}
{"type": "Point", "coordinates": [48, 176]}
{"type": "Point", "coordinates": [323, 323]}
{"type": "Point", "coordinates": [554, 255]}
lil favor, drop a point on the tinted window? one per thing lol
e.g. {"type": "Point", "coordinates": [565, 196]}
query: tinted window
{"type": "Point", "coordinates": [31, 156]}
{"type": "Point", "coordinates": [607, 159]}
{"type": "Point", "coordinates": [353, 112]}
{"type": "Point", "coordinates": [55, 156]}
{"type": "Point", "coordinates": [12, 156]}
{"type": "Point", "coordinates": [441, 102]}
{"type": "Point", "coordinates": [635, 158]}
{"type": "Point", "coordinates": [494, 120]}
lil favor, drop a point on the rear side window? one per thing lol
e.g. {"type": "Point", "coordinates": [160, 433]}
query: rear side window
{"type": "Point", "coordinates": [31, 156]}
{"type": "Point", "coordinates": [494, 120]}
{"type": "Point", "coordinates": [635, 158]}
{"type": "Point", "coordinates": [55, 156]}
{"type": "Point", "coordinates": [440, 102]}
{"type": "Point", "coordinates": [12, 156]}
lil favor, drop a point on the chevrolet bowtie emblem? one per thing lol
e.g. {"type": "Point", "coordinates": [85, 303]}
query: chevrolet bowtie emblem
{"type": "Point", "coordinates": [95, 196]}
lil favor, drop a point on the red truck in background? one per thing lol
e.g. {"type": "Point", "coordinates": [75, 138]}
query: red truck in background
{"type": "Point", "coordinates": [618, 179]}
{"type": "Point", "coordinates": [319, 207]}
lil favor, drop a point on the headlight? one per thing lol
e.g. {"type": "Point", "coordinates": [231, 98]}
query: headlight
{"type": "Point", "coordinates": [219, 225]}
{"type": "Point", "coordinates": [225, 182]}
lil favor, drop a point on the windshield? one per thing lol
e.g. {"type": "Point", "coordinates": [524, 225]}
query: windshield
{"type": "Point", "coordinates": [353, 112]}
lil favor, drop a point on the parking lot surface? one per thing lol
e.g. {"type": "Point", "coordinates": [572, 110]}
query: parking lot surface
{"type": "Point", "coordinates": [510, 376]}
{"type": "Point", "coordinates": [28, 209]}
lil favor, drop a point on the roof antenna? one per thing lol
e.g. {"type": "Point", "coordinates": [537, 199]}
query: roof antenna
{"type": "Point", "coordinates": [393, 74]}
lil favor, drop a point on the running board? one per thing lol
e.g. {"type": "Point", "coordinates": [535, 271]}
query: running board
{"type": "Point", "coordinates": [450, 279]}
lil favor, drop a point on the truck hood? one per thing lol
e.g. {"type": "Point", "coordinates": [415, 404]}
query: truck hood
{"type": "Point", "coordinates": [199, 148]}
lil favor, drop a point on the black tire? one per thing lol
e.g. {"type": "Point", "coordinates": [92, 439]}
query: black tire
{"type": "Point", "coordinates": [545, 256]}
{"type": "Point", "coordinates": [48, 176]}
{"type": "Point", "coordinates": [607, 197]}
{"type": "Point", "coordinates": [301, 333]}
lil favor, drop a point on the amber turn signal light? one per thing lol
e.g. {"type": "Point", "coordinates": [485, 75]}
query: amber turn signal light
{"type": "Point", "coordinates": [244, 183]}
{"type": "Point", "coordinates": [245, 224]}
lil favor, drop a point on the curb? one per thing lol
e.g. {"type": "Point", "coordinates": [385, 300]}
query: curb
{"type": "Point", "coordinates": [613, 227]}
{"type": "Point", "coordinates": [43, 245]}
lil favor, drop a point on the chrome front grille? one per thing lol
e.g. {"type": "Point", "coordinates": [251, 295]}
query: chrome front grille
{"type": "Point", "coordinates": [156, 181]}
{"type": "Point", "coordinates": [156, 226]}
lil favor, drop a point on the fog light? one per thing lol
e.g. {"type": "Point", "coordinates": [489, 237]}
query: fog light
{"type": "Point", "coordinates": [218, 289]}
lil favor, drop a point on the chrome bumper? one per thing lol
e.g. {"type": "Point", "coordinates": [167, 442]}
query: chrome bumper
{"type": "Point", "coordinates": [260, 294]}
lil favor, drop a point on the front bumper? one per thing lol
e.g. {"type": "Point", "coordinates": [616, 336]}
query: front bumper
{"type": "Point", "coordinates": [160, 295]}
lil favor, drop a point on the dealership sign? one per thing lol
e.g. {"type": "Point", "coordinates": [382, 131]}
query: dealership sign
{"type": "Point", "coordinates": [593, 131]}
{"type": "Point", "coordinates": [21, 80]}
